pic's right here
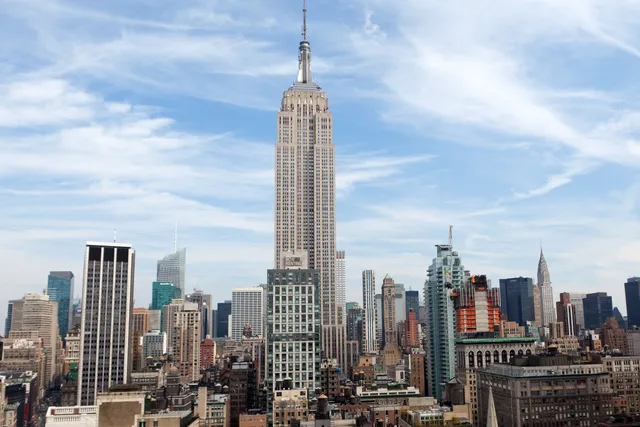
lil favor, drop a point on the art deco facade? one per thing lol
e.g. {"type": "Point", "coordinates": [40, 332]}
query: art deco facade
{"type": "Point", "coordinates": [107, 306]}
{"type": "Point", "coordinates": [546, 292]}
{"type": "Point", "coordinates": [369, 335]}
{"type": "Point", "coordinates": [305, 213]}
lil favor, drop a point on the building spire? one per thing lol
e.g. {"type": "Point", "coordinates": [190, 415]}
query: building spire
{"type": "Point", "coordinates": [492, 418]}
{"type": "Point", "coordinates": [304, 20]}
{"type": "Point", "coordinates": [175, 238]}
{"type": "Point", "coordinates": [304, 57]}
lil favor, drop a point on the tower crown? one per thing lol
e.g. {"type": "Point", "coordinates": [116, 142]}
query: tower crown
{"type": "Point", "coordinates": [304, 56]}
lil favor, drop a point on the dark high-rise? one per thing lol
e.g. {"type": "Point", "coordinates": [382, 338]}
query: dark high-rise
{"type": "Point", "coordinates": [412, 301]}
{"type": "Point", "coordinates": [516, 299]}
{"type": "Point", "coordinates": [355, 316]}
{"type": "Point", "coordinates": [60, 290]}
{"type": "Point", "coordinates": [222, 319]}
{"type": "Point", "coordinates": [632, 295]}
{"type": "Point", "coordinates": [598, 307]}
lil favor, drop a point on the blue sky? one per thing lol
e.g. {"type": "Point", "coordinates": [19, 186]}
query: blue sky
{"type": "Point", "coordinates": [517, 122]}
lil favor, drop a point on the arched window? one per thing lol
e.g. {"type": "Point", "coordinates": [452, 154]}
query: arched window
{"type": "Point", "coordinates": [520, 353]}
{"type": "Point", "coordinates": [528, 352]}
{"type": "Point", "coordinates": [504, 356]}
{"type": "Point", "coordinates": [487, 358]}
{"type": "Point", "coordinates": [471, 364]}
{"type": "Point", "coordinates": [479, 359]}
{"type": "Point", "coordinates": [512, 354]}
{"type": "Point", "coordinates": [496, 356]}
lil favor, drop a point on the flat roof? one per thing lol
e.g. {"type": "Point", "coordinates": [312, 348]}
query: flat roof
{"type": "Point", "coordinates": [494, 340]}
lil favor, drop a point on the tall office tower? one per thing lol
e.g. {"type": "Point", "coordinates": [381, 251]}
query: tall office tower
{"type": "Point", "coordinates": [247, 308]}
{"type": "Point", "coordinates": [341, 279]}
{"type": "Point", "coordinates": [37, 313]}
{"type": "Point", "coordinates": [60, 290]}
{"type": "Point", "coordinates": [140, 325]}
{"type": "Point", "coordinates": [205, 303]}
{"type": "Point", "coordinates": [155, 320]}
{"type": "Point", "coordinates": [516, 299]}
{"type": "Point", "coordinates": [355, 317]}
{"type": "Point", "coordinates": [305, 217]}
{"type": "Point", "coordinates": [537, 305]}
{"type": "Point", "coordinates": [172, 268]}
{"type": "Point", "coordinates": [445, 274]}
{"type": "Point", "coordinates": [411, 334]}
{"type": "Point", "coordinates": [222, 319]}
{"type": "Point", "coordinates": [566, 314]}
{"type": "Point", "coordinates": [369, 336]}
{"type": "Point", "coordinates": [14, 316]}
{"type": "Point", "coordinates": [169, 318]}
{"type": "Point", "coordinates": [576, 300]}
{"type": "Point", "coordinates": [546, 292]}
{"type": "Point", "coordinates": [598, 307]}
{"type": "Point", "coordinates": [107, 308]}
{"type": "Point", "coordinates": [632, 296]}
{"type": "Point", "coordinates": [293, 324]}
{"type": "Point", "coordinates": [162, 293]}
{"type": "Point", "coordinates": [389, 323]}
{"type": "Point", "coordinates": [477, 306]}
{"type": "Point", "coordinates": [412, 300]}
{"type": "Point", "coordinates": [186, 341]}
{"type": "Point", "coordinates": [379, 321]}
{"type": "Point", "coordinates": [401, 303]}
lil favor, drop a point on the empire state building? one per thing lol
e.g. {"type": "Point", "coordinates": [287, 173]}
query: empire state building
{"type": "Point", "coordinates": [305, 206]}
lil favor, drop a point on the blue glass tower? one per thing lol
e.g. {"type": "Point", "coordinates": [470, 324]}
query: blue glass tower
{"type": "Point", "coordinates": [516, 299]}
{"type": "Point", "coordinates": [60, 289]}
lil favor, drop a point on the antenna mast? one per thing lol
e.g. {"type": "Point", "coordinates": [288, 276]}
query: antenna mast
{"type": "Point", "coordinates": [451, 236]}
{"type": "Point", "coordinates": [114, 235]}
{"type": "Point", "coordinates": [175, 239]}
{"type": "Point", "coordinates": [304, 20]}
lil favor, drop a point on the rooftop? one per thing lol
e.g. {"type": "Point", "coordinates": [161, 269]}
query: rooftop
{"type": "Point", "coordinates": [494, 340]}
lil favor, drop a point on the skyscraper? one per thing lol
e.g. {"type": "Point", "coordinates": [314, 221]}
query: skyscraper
{"type": "Point", "coordinates": [140, 325]}
{"type": "Point", "coordinates": [107, 306]}
{"type": "Point", "coordinates": [305, 217]}
{"type": "Point", "coordinates": [222, 319]}
{"type": "Point", "coordinates": [598, 307]}
{"type": "Point", "coordinates": [341, 279]}
{"type": "Point", "coordinates": [576, 300]}
{"type": "Point", "coordinates": [632, 296]}
{"type": "Point", "coordinates": [537, 305]}
{"type": "Point", "coordinates": [389, 323]}
{"type": "Point", "coordinates": [355, 316]}
{"type": "Point", "coordinates": [445, 274]}
{"type": "Point", "coordinates": [172, 268]}
{"type": "Point", "coordinates": [369, 339]}
{"type": "Point", "coordinates": [37, 313]}
{"type": "Point", "coordinates": [379, 321]}
{"type": "Point", "coordinates": [247, 308]}
{"type": "Point", "coordinates": [293, 325]}
{"type": "Point", "coordinates": [546, 292]}
{"type": "Point", "coordinates": [205, 304]}
{"type": "Point", "coordinates": [186, 341]}
{"type": "Point", "coordinates": [516, 299]}
{"type": "Point", "coordinates": [60, 290]}
{"type": "Point", "coordinates": [566, 313]}
{"type": "Point", "coordinates": [401, 303]}
{"type": "Point", "coordinates": [412, 300]}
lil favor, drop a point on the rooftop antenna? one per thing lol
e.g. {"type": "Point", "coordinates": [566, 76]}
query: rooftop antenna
{"type": "Point", "coordinates": [304, 20]}
{"type": "Point", "coordinates": [175, 239]}
{"type": "Point", "coordinates": [450, 235]}
{"type": "Point", "coordinates": [115, 233]}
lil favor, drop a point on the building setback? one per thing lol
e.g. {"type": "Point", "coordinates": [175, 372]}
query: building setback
{"type": "Point", "coordinates": [107, 306]}
{"type": "Point", "coordinates": [305, 216]}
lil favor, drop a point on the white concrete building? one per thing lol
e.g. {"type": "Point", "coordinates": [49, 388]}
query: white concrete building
{"type": "Point", "coordinates": [247, 308]}
{"type": "Point", "coordinates": [369, 323]}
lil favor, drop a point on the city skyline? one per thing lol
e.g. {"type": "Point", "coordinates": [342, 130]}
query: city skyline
{"type": "Point", "coordinates": [180, 165]}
